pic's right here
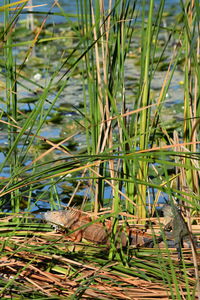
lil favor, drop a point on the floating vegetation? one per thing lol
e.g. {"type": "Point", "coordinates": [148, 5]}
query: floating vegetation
{"type": "Point", "coordinates": [99, 111]}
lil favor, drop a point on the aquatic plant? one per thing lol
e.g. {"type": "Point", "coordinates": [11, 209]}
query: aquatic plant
{"type": "Point", "coordinates": [123, 57]}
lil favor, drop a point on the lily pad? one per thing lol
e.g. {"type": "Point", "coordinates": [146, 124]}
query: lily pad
{"type": "Point", "coordinates": [28, 100]}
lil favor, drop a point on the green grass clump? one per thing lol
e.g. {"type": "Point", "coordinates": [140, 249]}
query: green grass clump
{"type": "Point", "coordinates": [115, 146]}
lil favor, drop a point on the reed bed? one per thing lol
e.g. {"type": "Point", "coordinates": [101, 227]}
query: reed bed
{"type": "Point", "coordinates": [37, 262]}
{"type": "Point", "coordinates": [133, 158]}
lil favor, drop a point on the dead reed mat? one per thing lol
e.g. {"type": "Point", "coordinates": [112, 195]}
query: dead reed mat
{"type": "Point", "coordinates": [42, 263]}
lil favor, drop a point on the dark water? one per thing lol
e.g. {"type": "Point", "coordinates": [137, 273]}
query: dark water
{"type": "Point", "coordinates": [49, 7]}
{"type": "Point", "coordinates": [70, 7]}
{"type": "Point", "coordinates": [55, 15]}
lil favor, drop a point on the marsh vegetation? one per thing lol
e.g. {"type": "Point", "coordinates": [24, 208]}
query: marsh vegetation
{"type": "Point", "coordinates": [101, 112]}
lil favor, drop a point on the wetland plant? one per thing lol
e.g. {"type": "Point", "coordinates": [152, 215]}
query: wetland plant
{"type": "Point", "coordinates": [120, 148]}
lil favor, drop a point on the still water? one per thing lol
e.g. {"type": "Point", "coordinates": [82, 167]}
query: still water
{"type": "Point", "coordinates": [70, 7]}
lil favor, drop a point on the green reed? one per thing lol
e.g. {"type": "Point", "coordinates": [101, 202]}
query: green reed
{"type": "Point", "coordinates": [115, 128]}
{"type": "Point", "coordinates": [11, 95]}
{"type": "Point", "coordinates": [128, 145]}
